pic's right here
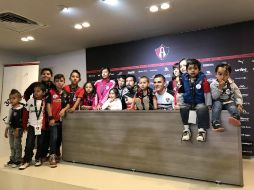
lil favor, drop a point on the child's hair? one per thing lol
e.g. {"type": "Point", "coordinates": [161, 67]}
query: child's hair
{"type": "Point", "coordinates": [121, 77]}
{"type": "Point", "coordinates": [134, 78]}
{"type": "Point", "coordinates": [93, 91]}
{"type": "Point", "coordinates": [160, 75]}
{"type": "Point", "coordinates": [40, 85]}
{"type": "Point", "coordinates": [115, 91]}
{"type": "Point", "coordinates": [76, 71]}
{"type": "Point", "coordinates": [224, 65]}
{"type": "Point", "coordinates": [175, 66]}
{"type": "Point", "coordinates": [193, 62]}
{"type": "Point", "coordinates": [47, 69]}
{"type": "Point", "coordinates": [145, 77]}
{"type": "Point", "coordinates": [15, 92]}
{"type": "Point", "coordinates": [104, 68]}
{"type": "Point", "coordinates": [59, 76]}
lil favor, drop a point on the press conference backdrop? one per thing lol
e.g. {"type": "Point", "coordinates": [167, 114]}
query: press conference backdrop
{"type": "Point", "coordinates": [231, 44]}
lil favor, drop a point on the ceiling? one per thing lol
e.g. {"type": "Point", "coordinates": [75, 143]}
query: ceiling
{"type": "Point", "coordinates": [130, 20]}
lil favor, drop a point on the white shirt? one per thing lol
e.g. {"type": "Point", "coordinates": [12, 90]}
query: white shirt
{"type": "Point", "coordinates": [110, 104]}
{"type": "Point", "coordinates": [165, 101]}
{"type": "Point", "coordinates": [32, 120]}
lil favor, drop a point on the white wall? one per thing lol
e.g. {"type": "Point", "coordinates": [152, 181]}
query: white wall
{"type": "Point", "coordinates": [64, 63]}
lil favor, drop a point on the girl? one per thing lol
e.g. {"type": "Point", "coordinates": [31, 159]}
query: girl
{"type": "Point", "coordinates": [103, 87]}
{"type": "Point", "coordinates": [113, 102]}
{"type": "Point", "coordinates": [75, 92]}
{"type": "Point", "coordinates": [88, 99]}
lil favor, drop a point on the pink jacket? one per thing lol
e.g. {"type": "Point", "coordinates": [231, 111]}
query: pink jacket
{"type": "Point", "coordinates": [103, 87]}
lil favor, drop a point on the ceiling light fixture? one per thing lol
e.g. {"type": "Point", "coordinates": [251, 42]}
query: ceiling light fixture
{"type": "Point", "coordinates": [165, 6]}
{"type": "Point", "coordinates": [153, 8]}
{"type": "Point", "coordinates": [110, 2]}
{"type": "Point", "coordinates": [30, 37]}
{"type": "Point", "coordinates": [78, 26]}
{"type": "Point", "coordinates": [26, 39]}
{"type": "Point", "coordinates": [86, 24]}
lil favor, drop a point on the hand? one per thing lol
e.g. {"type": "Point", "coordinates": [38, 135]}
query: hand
{"type": "Point", "coordinates": [62, 113]}
{"type": "Point", "coordinates": [71, 110]}
{"type": "Point", "coordinates": [240, 108]}
{"type": "Point", "coordinates": [209, 107]}
{"type": "Point", "coordinates": [98, 107]}
{"type": "Point", "coordinates": [51, 122]}
{"type": "Point", "coordinates": [177, 107]}
{"type": "Point", "coordinates": [83, 107]}
{"type": "Point", "coordinates": [221, 84]}
{"type": "Point", "coordinates": [6, 132]}
{"type": "Point", "coordinates": [16, 133]}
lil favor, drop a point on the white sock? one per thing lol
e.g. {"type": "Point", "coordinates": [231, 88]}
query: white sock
{"type": "Point", "coordinates": [201, 130]}
{"type": "Point", "coordinates": [186, 127]}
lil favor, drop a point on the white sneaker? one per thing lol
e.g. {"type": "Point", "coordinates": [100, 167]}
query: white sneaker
{"type": "Point", "coordinates": [24, 166]}
{"type": "Point", "coordinates": [186, 135]}
{"type": "Point", "coordinates": [38, 163]}
{"type": "Point", "coordinates": [201, 137]}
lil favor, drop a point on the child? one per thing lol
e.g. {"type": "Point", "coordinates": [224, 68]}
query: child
{"type": "Point", "coordinates": [113, 102]}
{"type": "Point", "coordinates": [144, 98]}
{"type": "Point", "coordinates": [196, 97]}
{"type": "Point", "coordinates": [16, 124]}
{"type": "Point", "coordinates": [165, 101]}
{"type": "Point", "coordinates": [225, 95]}
{"type": "Point", "coordinates": [103, 87]}
{"type": "Point", "coordinates": [88, 100]}
{"type": "Point", "coordinates": [57, 104]}
{"type": "Point", "coordinates": [174, 86]}
{"type": "Point", "coordinates": [36, 121]}
{"type": "Point", "coordinates": [75, 92]}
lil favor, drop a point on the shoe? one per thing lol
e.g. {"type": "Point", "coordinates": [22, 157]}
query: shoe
{"type": "Point", "coordinates": [45, 159]}
{"type": "Point", "coordinates": [186, 135]}
{"type": "Point", "coordinates": [235, 121]}
{"type": "Point", "coordinates": [15, 164]}
{"type": "Point", "coordinates": [201, 137]}
{"type": "Point", "coordinates": [58, 158]}
{"type": "Point", "coordinates": [24, 166]}
{"type": "Point", "coordinates": [52, 161]}
{"type": "Point", "coordinates": [38, 163]}
{"type": "Point", "coordinates": [9, 163]}
{"type": "Point", "coordinates": [217, 127]}
{"type": "Point", "coordinates": [138, 104]}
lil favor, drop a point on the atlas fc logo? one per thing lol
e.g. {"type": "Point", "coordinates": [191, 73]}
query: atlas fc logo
{"type": "Point", "coordinates": [162, 52]}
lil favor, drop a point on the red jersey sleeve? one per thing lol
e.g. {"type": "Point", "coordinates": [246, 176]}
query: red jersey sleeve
{"type": "Point", "coordinates": [206, 85]}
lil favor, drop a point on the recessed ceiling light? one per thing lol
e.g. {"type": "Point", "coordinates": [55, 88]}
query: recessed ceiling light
{"type": "Point", "coordinates": [165, 6]}
{"type": "Point", "coordinates": [78, 26]}
{"type": "Point", "coordinates": [86, 24]}
{"type": "Point", "coordinates": [154, 8]}
{"type": "Point", "coordinates": [111, 2]}
{"type": "Point", "coordinates": [24, 39]}
{"type": "Point", "coordinates": [30, 37]}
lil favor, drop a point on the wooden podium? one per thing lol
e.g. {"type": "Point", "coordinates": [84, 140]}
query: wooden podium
{"type": "Point", "coordinates": [150, 141]}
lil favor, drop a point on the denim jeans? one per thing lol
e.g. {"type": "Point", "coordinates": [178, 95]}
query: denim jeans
{"type": "Point", "coordinates": [55, 138]}
{"type": "Point", "coordinates": [218, 106]}
{"type": "Point", "coordinates": [30, 143]}
{"type": "Point", "coordinates": [15, 145]}
{"type": "Point", "coordinates": [202, 115]}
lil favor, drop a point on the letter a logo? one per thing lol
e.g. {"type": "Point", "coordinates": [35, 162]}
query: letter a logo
{"type": "Point", "coordinates": [162, 52]}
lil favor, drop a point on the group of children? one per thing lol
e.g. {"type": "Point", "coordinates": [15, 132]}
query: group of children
{"type": "Point", "coordinates": [47, 103]}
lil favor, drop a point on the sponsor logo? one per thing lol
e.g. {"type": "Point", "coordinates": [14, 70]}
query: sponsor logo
{"type": "Point", "coordinates": [241, 61]}
{"type": "Point", "coordinates": [153, 70]}
{"type": "Point", "coordinates": [162, 52]}
{"type": "Point", "coordinates": [244, 70]}
{"type": "Point", "coordinates": [246, 135]}
{"type": "Point", "coordinates": [245, 112]}
{"type": "Point", "coordinates": [245, 95]}
{"type": "Point", "coordinates": [246, 103]}
{"type": "Point", "coordinates": [131, 72]}
{"type": "Point", "coordinates": [91, 76]}
{"type": "Point", "coordinates": [245, 119]}
{"type": "Point", "coordinates": [208, 64]}
{"type": "Point", "coordinates": [120, 73]}
{"type": "Point", "coordinates": [142, 71]}
{"type": "Point", "coordinates": [166, 69]}
{"type": "Point", "coordinates": [240, 78]}
{"type": "Point", "coordinates": [208, 73]}
{"type": "Point", "coordinates": [247, 151]}
{"type": "Point", "coordinates": [243, 87]}
{"type": "Point", "coordinates": [246, 127]}
{"type": "Point", "coordinates": [247, 143]}
{"type": "Point", "coordinates": [167, 76]}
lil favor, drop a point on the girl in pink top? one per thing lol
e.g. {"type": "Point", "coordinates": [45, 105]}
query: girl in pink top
{"type": "Point", "coordinates": [103, 87]}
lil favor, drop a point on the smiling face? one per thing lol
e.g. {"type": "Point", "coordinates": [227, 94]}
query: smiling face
{"type": "Point", "coordinates": [105, 74]}
{"type": "Point", "coordinates": [112, 94]}
{"type": "Point", "coordinates": [159, 84]}
{"type": "Point", "coordinates": [46, 76]}
{"type": "Point", "coordinates": [183, 64]}
{"type": "Point", "coordinates": [176, 72]}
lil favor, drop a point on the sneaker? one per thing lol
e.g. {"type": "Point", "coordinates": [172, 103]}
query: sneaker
{"type": "Point", "coordinates": [52, 161]}
{"type": "Point", "coordinates": [24, 166]}
{"type": "Point", "coordinates": [217, 127]}
{"type": "Point", "coordinates": [58, 158]}
{"type": "Point", "coordinates": [235, 121]}
{"type": "Point", "coordinates": [15, 164]}
{"type": "Point", "coordinates": [186, 135]}
{"type": "Point", "coordinates": [201, 137]}
{"type": "Point", "coordinates": [9, 163]}
{"type": "Point", "coordinates": [38, 163]}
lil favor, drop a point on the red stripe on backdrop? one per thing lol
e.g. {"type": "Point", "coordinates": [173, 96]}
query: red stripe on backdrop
{"type": "Point", "coordinates": [172, 63]}
{"type": "Point", "coordinates": [23, 64]}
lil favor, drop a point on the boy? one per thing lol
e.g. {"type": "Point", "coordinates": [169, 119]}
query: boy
{"type": "Point", "coordinates": [225, 95]}
{"type": "Point", "coordinates": [165, 101]}
{"type": "Point", "coordinates": [36, 121]}
{"type": "Point", "coordinates": [57, 104]}
{"type": "Point", "coordinates": [16, 124]}
{"type": "Point", "coordinates": [144, 99]}
{"type": "Point", "coordinates": [196, 96]}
